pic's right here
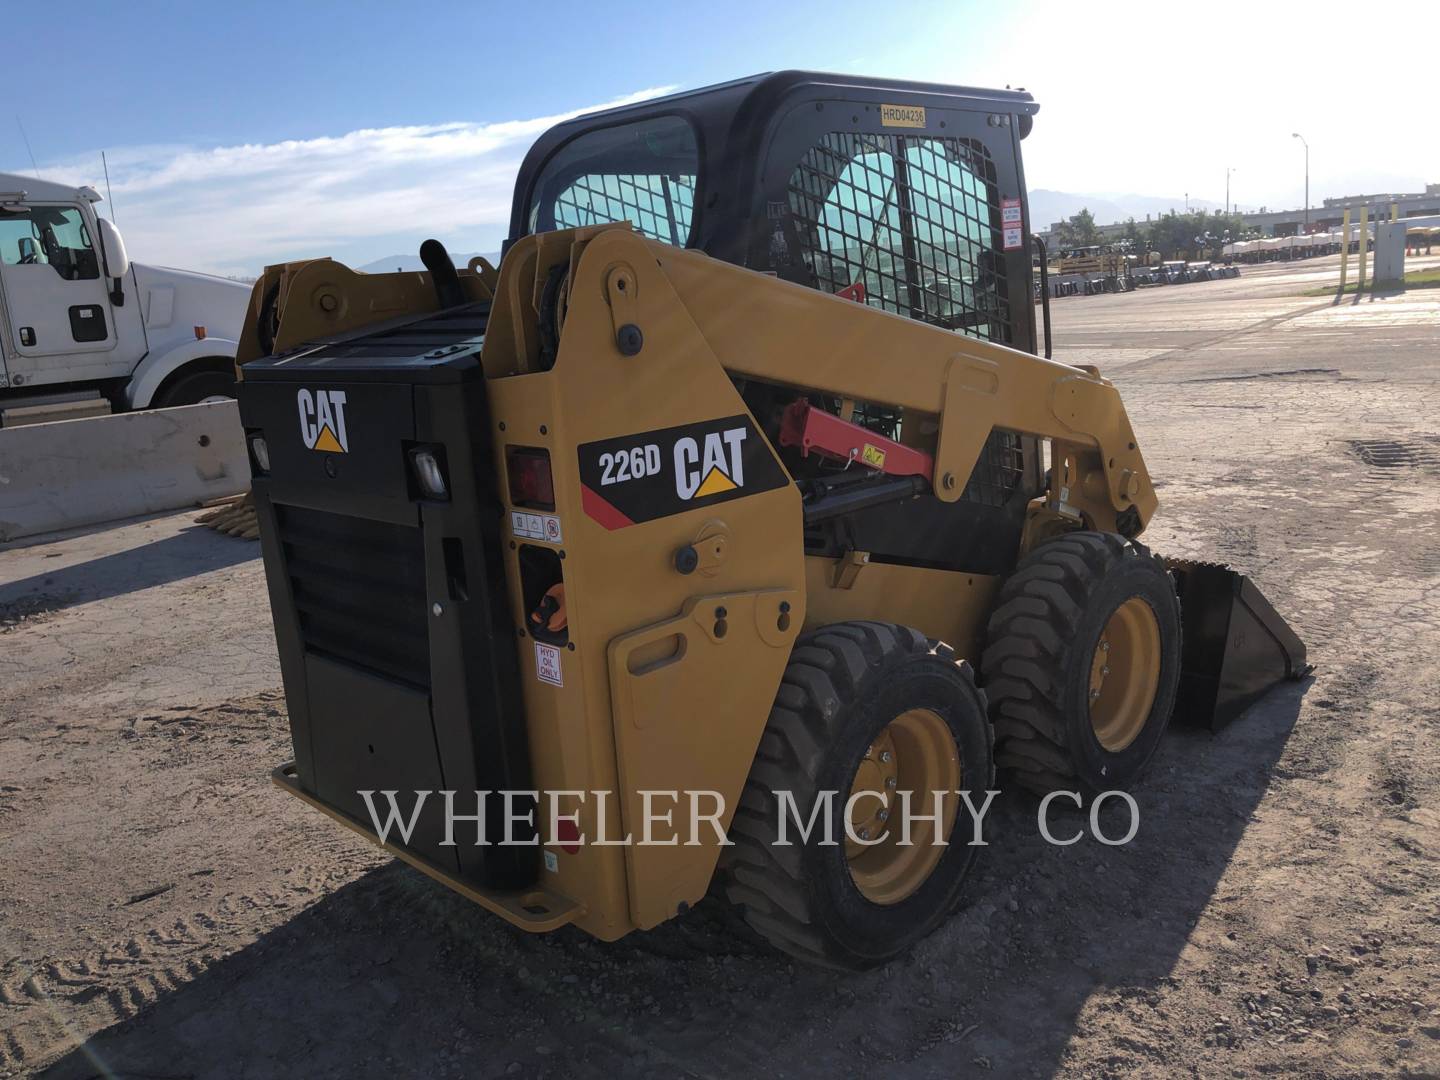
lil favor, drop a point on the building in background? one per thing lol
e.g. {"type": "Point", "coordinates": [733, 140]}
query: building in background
{"type": "Point", "coordinates": [1328, 215]}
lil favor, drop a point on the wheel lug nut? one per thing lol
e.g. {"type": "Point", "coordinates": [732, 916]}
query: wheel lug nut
{"type": "Point", "coordinates": [883, 815]}
{"type": "Point", "coordinates": [864, 834]}
{"type": "Point", "coordinates": [885, 756]}
{"type": "Point", "coordinates": [890, 783]}
{"type": "Point", "coordinates": [1104, 646]}
{"type": "Point", "coordinates": [1094, 694]}
{"type": "Point", "coordinates": [1104, 671]}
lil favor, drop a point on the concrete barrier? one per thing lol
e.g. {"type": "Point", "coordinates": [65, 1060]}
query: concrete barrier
{"type": "Point", "coordinates": [82, 472]}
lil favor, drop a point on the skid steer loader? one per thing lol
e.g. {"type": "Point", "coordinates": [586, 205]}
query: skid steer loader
{"type": "Point", "coordinates": [741, 478]}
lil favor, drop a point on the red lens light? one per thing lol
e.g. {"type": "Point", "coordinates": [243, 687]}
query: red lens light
{"type": "Point", "coordinates": [567, 835]}
{"type": "Point", "coordinates": [530, 482]}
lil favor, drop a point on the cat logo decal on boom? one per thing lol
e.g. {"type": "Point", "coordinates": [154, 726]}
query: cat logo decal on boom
{"type": "Point", "coordinates": [322, 421]}
{"type": "Point", "coordinates": [654, 474]}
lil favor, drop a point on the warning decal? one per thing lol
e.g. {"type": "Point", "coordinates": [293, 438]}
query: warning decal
{"type": "Point", "coordinates": [535, 526]}
{"type": "Point", "coordinates": [1013, 224]}
{"type": "Point", "coordinates": [547, 665]}
{"type": "Point", "coordinates": [654, 474]}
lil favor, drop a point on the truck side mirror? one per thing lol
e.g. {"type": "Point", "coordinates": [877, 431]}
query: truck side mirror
{"type": "Point", "coordinates": [117, 261]}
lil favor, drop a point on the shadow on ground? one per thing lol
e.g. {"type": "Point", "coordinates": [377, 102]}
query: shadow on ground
{"type": "Point", "coordinates": [393, 973]}
{"type": "Point", "coordinates": [194, 551]}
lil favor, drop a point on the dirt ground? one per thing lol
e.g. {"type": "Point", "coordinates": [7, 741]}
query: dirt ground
{"type": "Point", "coordinates": [164, 912]}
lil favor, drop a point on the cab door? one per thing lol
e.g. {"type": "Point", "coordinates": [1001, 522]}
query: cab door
{"type": "Point", "coordinates": [59, 324]}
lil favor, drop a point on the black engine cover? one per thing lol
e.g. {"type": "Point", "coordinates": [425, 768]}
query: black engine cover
{"type": "Point", "coordinates": [397, 652]}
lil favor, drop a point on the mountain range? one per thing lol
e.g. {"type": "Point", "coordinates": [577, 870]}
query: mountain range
{"type": "Point", "coordinates": [1048, 207]}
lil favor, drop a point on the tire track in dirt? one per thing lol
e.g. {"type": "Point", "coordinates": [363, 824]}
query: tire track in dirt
{"type": "Point", "coordinates": [43, 1007]}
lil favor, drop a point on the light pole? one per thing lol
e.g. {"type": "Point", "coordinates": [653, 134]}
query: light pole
{"type": "Point", "coordinates": [1297, 135]}
{"type": "Point", "coordinates": [1228, 171]}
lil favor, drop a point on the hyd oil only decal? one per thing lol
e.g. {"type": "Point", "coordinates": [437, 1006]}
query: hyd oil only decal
{"type": "Point", "coordinates": [654, 474]}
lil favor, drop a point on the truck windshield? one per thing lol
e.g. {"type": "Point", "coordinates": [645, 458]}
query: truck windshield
{"type": "Point", "coordinates": [643, 172]}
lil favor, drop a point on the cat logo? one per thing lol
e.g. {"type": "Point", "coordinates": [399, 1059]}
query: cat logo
{"type": "Point", "coordinates": [322, 421]}
{"type": "Point", "coordinates": [716, 469]}
{"type": "Point", "coordinates": [629, 479]}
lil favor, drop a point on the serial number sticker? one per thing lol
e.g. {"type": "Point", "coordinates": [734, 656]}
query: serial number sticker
{"type": "Point", "coordinates": [906, 116]}
{"type": "Point", "coordinates": [536, 526]}
{"type": "Point", "coordinates": [873, 456]}
{"type": "Point", "coordinates": [547, 665]}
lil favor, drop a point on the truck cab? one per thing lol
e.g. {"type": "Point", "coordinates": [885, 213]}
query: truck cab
{"type": "Point", "coordinates": [84, 331]}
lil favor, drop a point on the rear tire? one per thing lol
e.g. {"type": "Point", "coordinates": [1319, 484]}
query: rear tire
{"type": "Point", "coordinates": [1082, 663]}
{"type": "Point", "coordinates": [849, 688]}
{"type": "Point", "coordinates": [193, 389]}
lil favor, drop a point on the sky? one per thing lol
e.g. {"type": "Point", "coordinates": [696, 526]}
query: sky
{"type": "Point", "coordinates": [244, 134]}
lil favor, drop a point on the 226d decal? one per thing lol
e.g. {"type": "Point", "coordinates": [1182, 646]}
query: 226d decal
{"type": "Point", "coordinates": [654, 474]}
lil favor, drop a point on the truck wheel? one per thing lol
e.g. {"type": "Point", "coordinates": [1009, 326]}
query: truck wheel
{"type": "Point", "coordinates": [201, 387]}
{"type": "Point", "coordinates": [1082, 663]}
{"type": "Point", "coordinates": [865, 709]}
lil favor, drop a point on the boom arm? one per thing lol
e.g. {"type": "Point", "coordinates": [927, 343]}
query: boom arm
{"type": "Point", "coordinates": [770, 330]}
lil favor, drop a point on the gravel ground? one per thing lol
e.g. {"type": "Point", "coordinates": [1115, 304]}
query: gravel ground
{"type": "Point", "coordinates": [165, 913]}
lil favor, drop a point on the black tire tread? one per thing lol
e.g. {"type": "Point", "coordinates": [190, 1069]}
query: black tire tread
{"type": "Point", "coordinates": [828, 668]}
{"type": "Point", "coordinates": [1034, 620]}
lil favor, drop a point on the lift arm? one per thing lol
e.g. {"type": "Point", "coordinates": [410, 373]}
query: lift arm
{"type": "Point", "coordinates": [956, 387]}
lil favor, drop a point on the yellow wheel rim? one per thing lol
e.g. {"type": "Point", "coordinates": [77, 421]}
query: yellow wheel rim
{"type": "Point", "coordinates": [915, 753]}
{"type": "Point", "coordinates": [1124, 674]}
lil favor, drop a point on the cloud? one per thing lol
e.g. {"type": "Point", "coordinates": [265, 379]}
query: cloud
{"type": "Point", "coordinates": [235, 209]}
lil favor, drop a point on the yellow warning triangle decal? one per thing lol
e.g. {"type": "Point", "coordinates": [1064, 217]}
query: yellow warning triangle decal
{"type": "Point", "coordinates": [327, 441]}
{"type": "Point", "coordinates": [714, 484]}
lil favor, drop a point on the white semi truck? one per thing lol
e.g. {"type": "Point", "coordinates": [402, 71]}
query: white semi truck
{"type": "Point", "coordinates": [84, 331]}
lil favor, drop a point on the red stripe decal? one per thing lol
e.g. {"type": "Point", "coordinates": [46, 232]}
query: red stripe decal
{"type": "Point", "coordinates": [597, 508]}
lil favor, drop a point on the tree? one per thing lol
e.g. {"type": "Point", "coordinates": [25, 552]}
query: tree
{"type": "Point", "coordinates": [1194, 235]}
{"type": "Point", "coordinates": [1133, 237]}
{"type": "Point", "coordinates": [1078, 231]}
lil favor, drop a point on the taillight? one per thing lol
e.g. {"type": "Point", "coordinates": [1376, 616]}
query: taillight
{"type": "Point", "coordinates": [428, 463]}
{"type": "Point", "coordinates": [531, 485]}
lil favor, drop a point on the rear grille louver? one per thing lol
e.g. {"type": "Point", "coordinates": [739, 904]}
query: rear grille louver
{"type": "Point", "coordinates": [359, 591]}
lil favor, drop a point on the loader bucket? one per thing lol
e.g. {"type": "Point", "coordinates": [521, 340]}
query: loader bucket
{"type": "Point", "coordinates": [1235, 645]}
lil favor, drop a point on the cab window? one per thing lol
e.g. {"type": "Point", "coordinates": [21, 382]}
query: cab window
{"type": "Point", "coordinates": [907, 224]}
{"type": "Point", "coordinates": [54, 236]}
{"type": "Point", "coordinates": [644, 173]}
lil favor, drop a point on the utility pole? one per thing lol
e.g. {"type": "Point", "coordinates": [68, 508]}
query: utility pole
{"type": "Point", "coordinates": [1297, 135]}
{"type": "Point", "coordinates": [1228, 171]}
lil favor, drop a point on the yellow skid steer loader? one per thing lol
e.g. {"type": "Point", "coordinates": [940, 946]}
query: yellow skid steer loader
{"type": "Point", "coordinates": [740, 502]}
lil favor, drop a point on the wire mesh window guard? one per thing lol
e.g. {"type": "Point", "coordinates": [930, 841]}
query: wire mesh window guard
{"type": "Point", "coordinates": [909, 224]}
{"type": "Point", "coordinates": [660, 207]}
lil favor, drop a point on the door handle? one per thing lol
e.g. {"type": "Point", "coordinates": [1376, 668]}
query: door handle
{"type": "Point", "coordinates": [27, 335]}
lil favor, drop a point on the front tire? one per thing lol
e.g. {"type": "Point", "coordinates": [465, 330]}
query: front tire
{"type": "Point", "coordinates": [1082, 663]}
{"type": "Point", "coordinates": [202, 386]}
{"type": "Point", "coordinates": [862, 706]}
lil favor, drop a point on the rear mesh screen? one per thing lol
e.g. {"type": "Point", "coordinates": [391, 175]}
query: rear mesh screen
{"type": "Point", "coordinates": [359, 589]}
{"type": "Point", "coordinates": [643, 172]}
{"type": "Point", "coordinates": [660, 207]}
{"type": "Point", "coordinates": [911, 225]}
{"type": "Point", "coordinates": [908, 224]}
